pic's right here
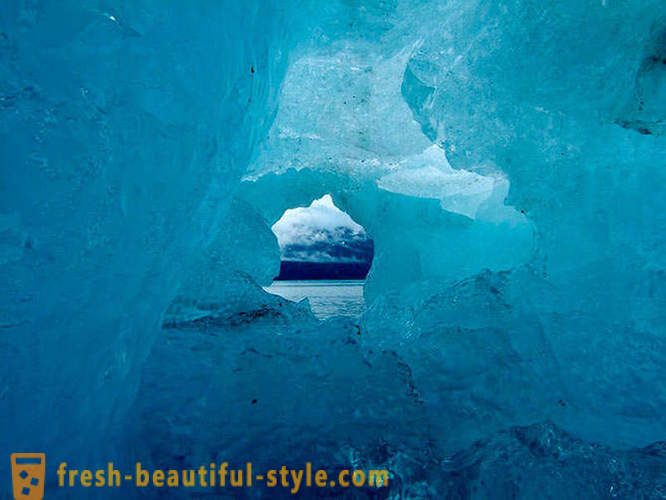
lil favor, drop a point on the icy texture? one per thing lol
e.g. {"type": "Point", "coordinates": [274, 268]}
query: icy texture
{"type": "Point", "coordinates": [507, 158]}
{"type": "Point", "coordinates": [124, 129]}
{"type": "Point", "coordinates": [204, 295]}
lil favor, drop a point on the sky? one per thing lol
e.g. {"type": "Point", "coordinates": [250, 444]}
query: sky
{"type": "Point", "coordinates": [321, 233]}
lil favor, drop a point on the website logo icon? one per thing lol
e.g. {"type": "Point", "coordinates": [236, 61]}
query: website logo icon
{"type": "Point", "coordinates": [28, 475]}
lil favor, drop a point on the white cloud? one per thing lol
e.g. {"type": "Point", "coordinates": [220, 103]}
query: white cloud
{"type": "Point", "coordinates": [318, 222]}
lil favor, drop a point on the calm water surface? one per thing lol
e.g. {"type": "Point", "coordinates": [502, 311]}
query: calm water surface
{"type": "Point", "coordinates": [327, 298]}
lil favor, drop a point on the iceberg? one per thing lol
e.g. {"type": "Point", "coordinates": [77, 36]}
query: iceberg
{"type": "Point", "coordinates": [506, 158]}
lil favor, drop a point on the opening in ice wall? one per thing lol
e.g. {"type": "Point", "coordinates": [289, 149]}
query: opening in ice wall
{"type": "Point", "coordinates": [321, 242]}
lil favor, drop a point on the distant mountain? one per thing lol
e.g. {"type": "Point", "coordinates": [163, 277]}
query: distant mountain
{"type": "Point", "coordinates": [341, 254]}
{"type": "Point", "coordinates": [294, 270]}
{"type": "Point", "coordinates": [322, 242]}
{"type": "Point", "coordinates": [339, 245]}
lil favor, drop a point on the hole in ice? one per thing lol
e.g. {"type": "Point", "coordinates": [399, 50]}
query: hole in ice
{"type": "Point", "coordinates": [324, 256]}
{"type": "Point", "coordinates": [321, 242]}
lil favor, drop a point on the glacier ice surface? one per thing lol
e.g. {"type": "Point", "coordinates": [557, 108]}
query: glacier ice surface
{"type": "Point", "coordinates": [507, 158]}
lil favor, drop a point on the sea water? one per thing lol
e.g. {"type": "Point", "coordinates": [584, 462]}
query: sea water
{"type": "Point", "coordinates": [327, 298]}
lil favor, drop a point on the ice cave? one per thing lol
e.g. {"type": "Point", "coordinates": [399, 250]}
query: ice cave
{"type": "Point", "coordinates": [506, 158]}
